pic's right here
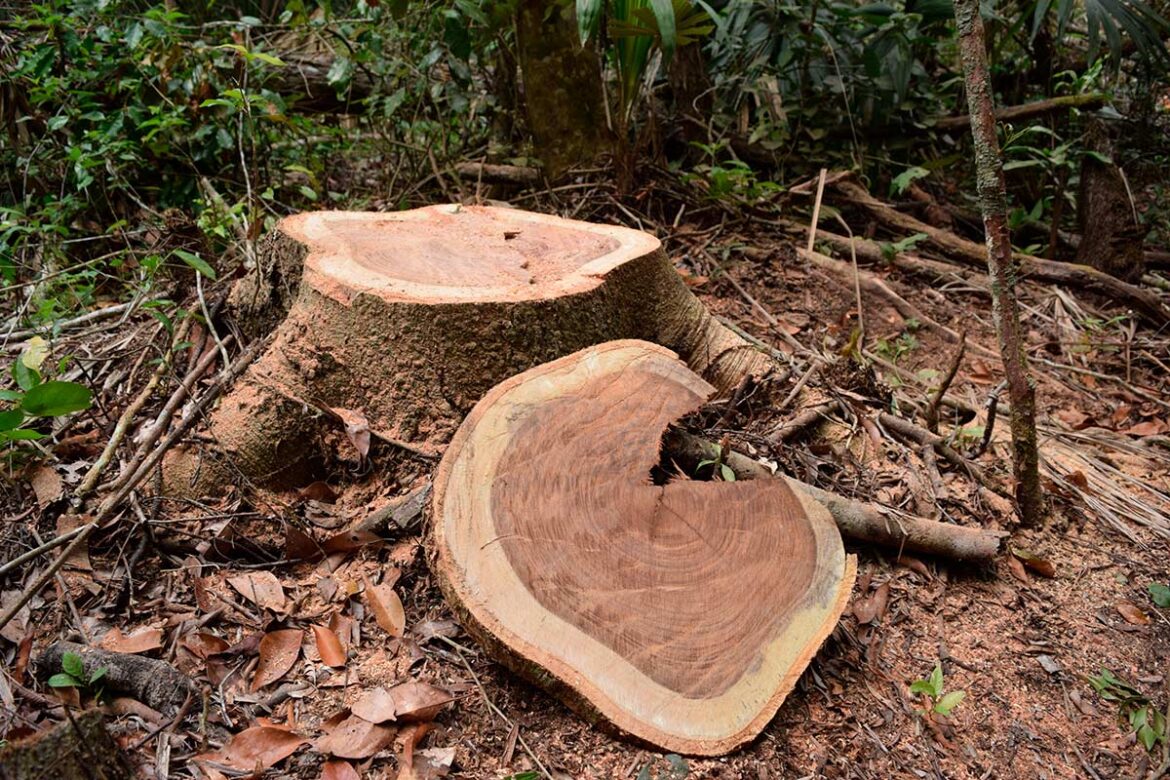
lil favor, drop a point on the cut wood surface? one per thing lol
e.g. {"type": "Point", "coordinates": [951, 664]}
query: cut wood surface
{"type": "Point", "coordinates": [398, 323]}
{"type": "Point", "coordinates": [682, 613]}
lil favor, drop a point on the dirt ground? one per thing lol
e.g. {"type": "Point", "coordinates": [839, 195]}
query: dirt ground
{"type": "Point", "coordinates": [1020, 644]}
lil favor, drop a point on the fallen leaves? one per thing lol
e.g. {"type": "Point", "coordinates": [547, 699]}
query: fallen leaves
{"type": "Point", "coordinates": [387, 608]}
{"type": "Point", "coordinates": [339, 770]}
{"type": "Point", "coordinates": [410, 702]}
{"type": "Point", "coordinates": [278, 652]}
{"type": "Point", "coordinates": [1034, 562]}
{"type": "Point", "coordinates": [329, 646]}
{"type": "Point", "coordinates": [256, 748]}
{"type": "Point", "coordinates": [142, 641]}
{"type": "Point", "coordinates": [1132, 613]}
{"type": "Point", "coordinates": [261, 588]}
{"type": "Point", "coordinates": [873, 607]}
{"type": "Point", "coordinates": [355, 737]}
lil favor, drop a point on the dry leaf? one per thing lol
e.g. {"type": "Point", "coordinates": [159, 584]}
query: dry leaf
{"type": "Point", "coordinates": [339, 770]}
{"type": "Point", "coordinates": [46, 484]}
{"type": "Point", "coordinates": [387, 608]}
{"type": "Point", "coordinates": [319, 491]}
{"type": "Point", "coordinates": [349, 541]}
{"type": "Point", "coordinates": [873, 607]}
{"type": "Point", "coordinates": [1017, 568]}
{"type": "Point", "coordinates": [329, 647]}
{"type": "Point", "coordinates": [1133, 613]}
{"type": "Point", "coordinates": [261, 588]}
{"type": "Point", "coordinates": [355, 737]}
{"type": "Point", "coordinates": [141, 641]}
{"type": "Point", "coordinates": [376, 706]}
{"type": "Point", "coordinates": [259, 746]}
{"type": "Point", "coordinates": [418, 701]}
{"type": "Point", "coordinates": [1146, 428]}
{"type": "Point", "coordinates": [433, 628]}
{"type": "Point", "coordinates": [278, 653]}
{"type": "Point", "coordinates": [203, 644]}
{"type": "Point", "coordinates": [299, 546]}
{"type": "Point", "coordinates": [357, 430]}
{"type": "Point", "coordinates": [1034, 562]}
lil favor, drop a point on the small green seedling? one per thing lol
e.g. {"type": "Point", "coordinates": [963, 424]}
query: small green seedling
{"type": "Point", "coordinates": [722, 469]}
{"type": "Point", "coordinates": [1134, 709]}
{"type": "Point", "coordinates": [1160, 594]}
{"type": "Point", "coordinates": [72, 675]}
{"type": "Point", "coordinates": [932, 687]}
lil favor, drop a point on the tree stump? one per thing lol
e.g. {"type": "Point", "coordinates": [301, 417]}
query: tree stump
{"type": "Point", "coordinates": [402, 321]}
{"type": "Point", "coordinates": [682, 613]}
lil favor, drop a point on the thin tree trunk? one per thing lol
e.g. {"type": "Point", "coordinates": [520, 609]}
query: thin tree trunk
{"type": "Point", "coordinates": [1002, 266]}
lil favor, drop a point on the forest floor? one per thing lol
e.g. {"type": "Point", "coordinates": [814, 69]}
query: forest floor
{"type": "Point", "coordinates": [1022, 641]}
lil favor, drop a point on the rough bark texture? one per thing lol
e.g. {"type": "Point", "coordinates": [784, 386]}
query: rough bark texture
{"type": "Point", "coordinates": [562, 87]}
{"type": "Point", "coordinates": [77, 749]}
{"type": "Point", "coordinates": [663, 608]}
{"type": "Point", "coordinates": [155, 683]}
{"type": "Point", "coordinates": [1001, 263]}
{"type": "Point", "coordinates": [1111, 236]}
{"type": "Point", "coordinates": [412, 358]}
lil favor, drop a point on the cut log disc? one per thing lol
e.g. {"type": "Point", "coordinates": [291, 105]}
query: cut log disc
{"type": "Point", "coordinates": [681, 613]}
{"type": "Point", "coordinates": [404, 320]}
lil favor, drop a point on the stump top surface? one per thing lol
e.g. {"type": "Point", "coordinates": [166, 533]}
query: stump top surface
{"type": "Point", "coordinates": [460, 253]}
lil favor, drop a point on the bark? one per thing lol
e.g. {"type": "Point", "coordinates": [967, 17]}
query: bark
{"type": "Point", "coordinates": [660, 608]}
{"type": "Point", "coordinates": [155, 683]}
{"type": "Point", "coordinates": [1111, 235]}
{"type": "Point", "coordinates": [79, 748]}
{"type": "Point", "coordinates": [1086, 102]}
{"type": "Point", "coordinates": [1002, 266]}
{"type": "Point", "coordinates": [563, 92]}
{"type": "Point", "coordinates": [402, 322]}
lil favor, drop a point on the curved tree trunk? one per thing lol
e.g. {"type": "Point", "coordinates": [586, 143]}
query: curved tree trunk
{"type": "Point", "coordinates": [683, 613]}
{"type": "Point", "coordinates": [400, 322]}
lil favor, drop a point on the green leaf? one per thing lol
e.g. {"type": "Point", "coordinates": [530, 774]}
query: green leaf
{"type": "Point", "coordinates": [21, 434]}
{"type": "Point", "coordinates": [26, 378]}
{"type": "Point", "coordinates": [1148, 737]}
{"type": "Point", "coordinates": [907, 177]}
{"type": "Point", "coordinates": [664, 15]}
{"type": "Point", "coordinates": [99, 674]}
{"type": "Point", "coordinates": [268, 59]}
{"type": "Point", "coordinates": [948, 702]}
{"type": "Point", "coordinates": [588, 18]}
{"type": "Point", "coordinates": [64, 681]}
{"type": "Point", "coordinates": [1160, 594]}
{"type": "Point", "coordinates": [11, 419]}
{"type": "Point", "coordinates": [922, 686]}
{"type": "Point", "coordinates": [727, 472]}
{"type": "Point", "coordinates": [196, 262]}
{"type": "Point", "coordinates": [10, 395]}
{"type": "Point", "coordinates": [73, 664]}
{"type": "Point", "coordinates": [35, 353]}
{"type": "Point", "coordinates": [55, 398]}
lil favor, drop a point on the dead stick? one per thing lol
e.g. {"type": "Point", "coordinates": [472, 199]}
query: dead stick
{"type": "Point", "coordinates": [107, 507]}
{"type": "Point", "coordinates": [860, 521]}
{"type": "Point", "coordinates": [931, 414]}
{"type": "Point", "coordinates": [919, 435]}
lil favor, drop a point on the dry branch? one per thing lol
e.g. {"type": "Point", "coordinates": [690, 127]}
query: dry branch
{"type": "Point", "coordinates": [155, 683]}
{"type": "Point", "coordinates": [1087, 102]}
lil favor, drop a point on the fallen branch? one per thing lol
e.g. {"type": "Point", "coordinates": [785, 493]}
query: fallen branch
{"type": "Point", "coordinates": [860, 521]}
{"type": "Point", "coordinates": [1144, 302]}
{"type": "Point", "coordinates": [499, 174]}
{"type": "Point", "coordinates": [155, 683]}
{"type": "Point", "coordinates": [1088, 102]}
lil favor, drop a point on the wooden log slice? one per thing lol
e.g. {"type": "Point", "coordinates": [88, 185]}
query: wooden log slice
{"type": "Point", "coordinates": [404, 320]}
{"type": "Point", "coordinates": [682, 613]}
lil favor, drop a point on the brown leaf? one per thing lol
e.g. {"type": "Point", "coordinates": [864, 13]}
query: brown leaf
{"type": "Point", "coordinates": [141, 641]}
{"type": "Point", "coordinates": [257, 747]}
{"type": "Point", "coordinates": [299, 546]}
{"type": "Point", "coordinates": [387, 608]}
{"type": "Point", "coordinates": [1016, 567]}
{"type": "Point", "coordinates": [376, 705]}
{"type": "Point", "coordinates": [355, 737]}
{"type": "Point", "coordinates": [278, 653]}
{"type": "Point", "coordinates": [339, 770]}
{"type": "Point", "coordinates": [1133, 613]}
{"type": "Point", "coordinates": [872, 607]}
{"type": "Point", "coordinates": [203, 644]}
{"type": "Point", "coordinates": [46, 484]}
{"type": "Point", "coordinates": [348, 541]}
{"type": "Point", "coordinates": [433, 628]}
{"type": "Point", "coordinates": [1146, 428]}
{"type": "Point", "coordinates": [1033, 562]}
{"type": "Point", "coordinates": [319, 491]}
{"type": "Point", "coordinates": [329, 647]}
{"type": "Point", "coordinates": [261, 588]}
{"type": "Point", "coordinates": [357, 430]}
{"type": "Point", "coordinates": [430, 764]}
{"type": "Point", "coordinates": [418, 701]}
{"type": "Point", "coordinates": [915, 565]}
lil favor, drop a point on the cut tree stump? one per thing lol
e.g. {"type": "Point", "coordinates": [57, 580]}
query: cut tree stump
{"type": "Point", "coordinates": [681, 613]}
{"type": "Point", "coordinates": [400, 322]}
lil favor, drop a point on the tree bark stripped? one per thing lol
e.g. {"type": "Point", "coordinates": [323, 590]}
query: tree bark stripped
{"type": "Point", "coordinates": [1001, 263]}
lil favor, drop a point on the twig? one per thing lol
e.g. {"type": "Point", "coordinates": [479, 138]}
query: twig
{"type": "Point", "coordinates": [491, 705]}
{"type": "Point", "coordinates": [931, 414]}
{"type": "Point", "coordinates": [137, 475]}
{"type": "Point", "coordinates": [816, 215]}
{"type": "Point", "coordinates": [800, 383]}
{"type": "Point", "coordinates": [40, 550]}
{"type": "Point", "coordinates": [989, 426]}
